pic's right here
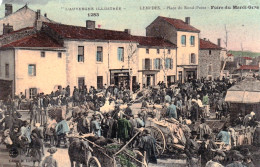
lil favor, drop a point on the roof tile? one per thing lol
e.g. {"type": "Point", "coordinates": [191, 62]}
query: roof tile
{"type": "Point", "coordinates": [204, 44]}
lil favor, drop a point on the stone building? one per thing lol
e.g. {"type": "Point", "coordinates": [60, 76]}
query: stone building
{"type": "Point", "coordinates": [59, 55]}
{"type": "Point", "coordinates": [209, 59]}
{"type": "Point", "coordinates": [185, 37]}
{"type": "Point", "coordinates": [20, 19]}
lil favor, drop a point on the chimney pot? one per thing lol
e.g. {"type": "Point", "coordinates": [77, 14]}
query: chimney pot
{"type": "Point", "coordinates": [90, 24]}
{"type": "Point", "coordinates": [45, 14]}
{"type": "Point", "coordinates": [8, 9]}
{"type": "Point", "coordinates": [38, 14]}
{"type": "Point", "coordinates": [128, 31]}
{"type": "Point", "coordinates": [219, 42]}
{"type": "Point", "coordinates": [187, 20]}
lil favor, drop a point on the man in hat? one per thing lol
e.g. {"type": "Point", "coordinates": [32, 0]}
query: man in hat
{"type": "Point", "coordinates": [194, 111]}
{"type": "Point", "coordinates": [148, 144]}
{"type": "Point", "coordinates": [249, 119]}
{"type": "Point", "coordinates": [128, 110]}
{"type": "Point", "coordinates": [49, 161]}
{"type": "Point", "coordinates": [238, 161]}
{"type": "Point", "coordinates": [191, 150]}
{"type": "Point", "coordinates": [26, 131]}
{"type": "Point", "coordinates": [216, 161]}
{"type": "Point", "coordinates": [224, 136]}
{"type": "Point", "coordinates": [203, 129]}
{"type": "Point", "coordinates": [61, 130]}
{"type": "Point", "coordinates": [256, 138]}
{"type": "Point", "coordinates": [7, 121]}
{"type": "Point", "coordinates": [171, 110]}
{"type": "Point", "coordinates": [95, 124]}
{"type": "Point", "coordinates": [206, 149]}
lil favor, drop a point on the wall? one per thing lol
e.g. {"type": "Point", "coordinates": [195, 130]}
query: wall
{"type": "Point", "coordinates": [50, 71]}
{"type": "Point", "coordinates": [7, 57]}
{"type": "Point", "coordinates": [22, 18]}
{"type": "Point", "coordinates": [90, 68]}
{"type": "Point", "coordinates": [161, 28]}
{"type": "Point", "coordinates": [205, 59]}
{"type": "Point", "coordinates": [153, 55]}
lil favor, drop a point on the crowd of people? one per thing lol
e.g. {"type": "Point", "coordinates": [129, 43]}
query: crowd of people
{"type": "Point", "coordinates": [53, 117]}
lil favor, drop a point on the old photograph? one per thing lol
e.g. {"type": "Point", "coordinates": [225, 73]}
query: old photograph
{"type": "Point", "coordinates": [129, 83]}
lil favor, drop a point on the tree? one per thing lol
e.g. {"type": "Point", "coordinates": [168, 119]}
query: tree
{"type": "Point", "coordinates": [131, 59]}
{"type": "Point", "coordinates": [166, 60]}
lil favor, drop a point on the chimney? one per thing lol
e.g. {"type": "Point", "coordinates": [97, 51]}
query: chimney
{"type": "Point", "coordinates": [187, 20]}
{"type": "Point", "coordinates": [128, 31]}
{"type": "Point", "coordinates": [7, 29]}
{"type": "Point", "coordinates": [219, 42]}
{"type": "Point", "coordinates": [8, 9]}
{"type": "Point", "coordinates": [45, 14]}
{"type": "Point", "coordinates": [204, 39]}
{"type": "Point", "coordinates": [90, 24]}
{"type": "Point", "coordinates": [38, 14]}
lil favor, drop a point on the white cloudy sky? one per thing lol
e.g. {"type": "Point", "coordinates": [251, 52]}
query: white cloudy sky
{"type": "Point", "coordinates": [243, 25]}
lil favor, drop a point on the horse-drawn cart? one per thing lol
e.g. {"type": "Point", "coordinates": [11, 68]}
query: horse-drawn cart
{"type": "Point", "coordinates": [108, 155]}
{"type": "Point", "coordinates": [169, 135]}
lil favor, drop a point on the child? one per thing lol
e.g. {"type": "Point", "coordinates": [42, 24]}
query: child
{"type": "Point", "coordinates": [49, 161]}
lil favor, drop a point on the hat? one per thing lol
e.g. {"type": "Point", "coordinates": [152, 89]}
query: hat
{"type": "Point", "coordinates": [52, 150]}
{"type": "Point", "coordinates": [194, 132]}
{"type": "Point", "coordinates": [37, 125]}
{"type": "Point", "coordinates": [206, 136]}
{"type": "Point", "coordinates": [147, 131]}
{"type": "Point", "coordinates": [220, 153]}
{"type": "Point", "coordinates": [238, 157]}
{"type": "Point", "coordinates": [193, 100]}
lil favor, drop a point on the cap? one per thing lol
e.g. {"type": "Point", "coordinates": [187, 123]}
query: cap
{"type": "Point", "coordinates": [52, 150]}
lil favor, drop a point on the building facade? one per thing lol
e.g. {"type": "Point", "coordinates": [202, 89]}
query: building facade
{"type": "Point", "coordinates": [209, 59]}
{"type": "Point", "coordinates": [185, 37]}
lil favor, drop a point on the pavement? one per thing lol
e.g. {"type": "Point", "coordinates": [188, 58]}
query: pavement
{"type": "Point", "coordinates": [62, 156]}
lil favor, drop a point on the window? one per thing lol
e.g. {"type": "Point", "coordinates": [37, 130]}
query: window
{"type": "Point", "coordinates": [209, 52]}
{"type": "Point", "coordinates": [32, 92]}
{"type": "Point", "coordinates": [183, 40]}
{"type": "Point", "coordinates": [169, 63]}
{"type": "Point", "coordinates": [80, 53]}
{"type": "Point", "coordinates": [158, 51]}
{"type": "Point", "coordinates": [169, 51]}
{"type": "Point", "coordinates": [192, 40]}
{"type": "Point", "coordinates": [120, 54]}
{"type": "Point", "coordinates": [147, 51]}
{"type": "Point", "coordinates": [210, 69]}
{"type": "Point", "coordinates": [99, 54]}
{"type": "Point", "coordinates": [157, 64]}
{"type": "Point", "coordinates": [193, 58]}
{"type": "Point", "coordinates": [81, 82]}
{"type": "Point", "coordinates": [42, 54]}
{"type": "Point", "coordinates": [59, 55]}
{"type": "Point", "coordinates": [147, 64]}
{"type": "Point", "coordinates": [99, 82]}
{"type": "Point", "coordinates": [7, 70]}
{"type": "Point", "coordinates": [32, 70]}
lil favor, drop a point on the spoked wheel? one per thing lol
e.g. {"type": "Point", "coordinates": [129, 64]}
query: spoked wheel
{"type": "Point", "coordinates": [93, 162]}
{"type": "Point", "coordinates": [160, 139]}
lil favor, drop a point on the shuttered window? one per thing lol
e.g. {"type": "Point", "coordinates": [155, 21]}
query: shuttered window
{"type": "Point", "coordinates": [120, 54]}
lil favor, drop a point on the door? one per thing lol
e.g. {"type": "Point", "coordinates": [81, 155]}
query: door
{"type": "Point", "coordinates": [81, 82]}
{"type": "Point", "coordinates": [180, 76]}
{"type": "Point", "coordinates": [99, 82]}
{"type": "Point", "coordinates": [5, 89]}
{"type": "Point", "coordinates": [148, 80]}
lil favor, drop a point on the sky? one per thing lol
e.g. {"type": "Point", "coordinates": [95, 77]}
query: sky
{"type": "Point", "coordinates": [242, 25]}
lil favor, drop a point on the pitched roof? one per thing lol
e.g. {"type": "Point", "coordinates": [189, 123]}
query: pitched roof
{"type": "Point", "coordinates": [153, 41]}
{"type": "Point", "coordinates": [77, 32]}
{"type": "Point", "coordinates": [249, 67]}
{"type": "Point", "coordinates": [247, 58]}
{"type": "Point", "coordinates": [204, 44]}
{"type": "Point", "coordinates": [35, 40]}
{"type": "Point", "coordinates": [180, 24]}
{"type": "Point", "coordinates": [20, 30]}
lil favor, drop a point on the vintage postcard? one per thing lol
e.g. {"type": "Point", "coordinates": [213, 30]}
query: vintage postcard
{"type": "Point", "coordinates": [129, 83]}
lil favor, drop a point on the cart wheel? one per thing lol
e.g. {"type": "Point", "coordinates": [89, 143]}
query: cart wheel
{"type": "Point", "coordinates": [93, 162]}
{"type": "Point", "coordinates": [160, 139]}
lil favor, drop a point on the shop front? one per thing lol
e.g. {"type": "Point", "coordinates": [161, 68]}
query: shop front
{"type": "Point", "coordinates": [119, 77]}
{"type": "Point", "coordinates": [149, 77]}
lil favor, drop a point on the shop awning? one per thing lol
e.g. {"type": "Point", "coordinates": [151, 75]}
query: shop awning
{"type": "Point", "coordinates": [243, 97]}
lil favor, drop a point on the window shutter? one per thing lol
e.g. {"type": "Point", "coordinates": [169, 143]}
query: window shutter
{"type": "Point", "coordinates": [151, 64]}
{"type": "Point", "coordinates": [143, 64]}
{"type": "Point", "coordinates": [190, 58]}
{"type": "Point", "coordinates": [171, 63]}
{"type": "Point", "coordinates": [154, 64]}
